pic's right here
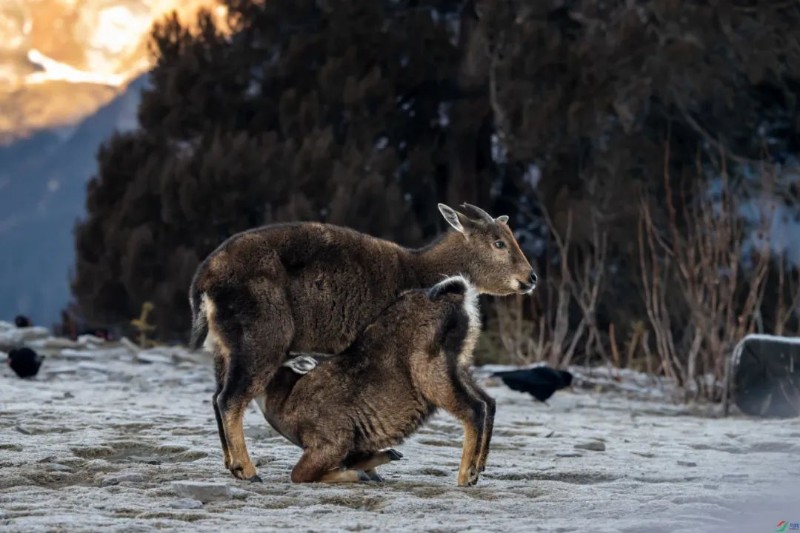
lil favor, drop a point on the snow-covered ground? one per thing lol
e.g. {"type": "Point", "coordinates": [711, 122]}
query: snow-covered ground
{"type": "Point", "coordinates": [105, 439]}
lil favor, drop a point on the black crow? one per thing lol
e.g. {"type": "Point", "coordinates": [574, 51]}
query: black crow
{"type": "Point", "coordinates": [22, 321]}
{"type": "Point", "coordinates": [25, 362]}
{"type": "Point", "coordinates": [540, 382]}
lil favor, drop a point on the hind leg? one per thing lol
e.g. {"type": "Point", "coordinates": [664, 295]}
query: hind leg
{"type": "Point", "coordinates": [219, 374]}
{"type": "Point", "coordinates": [256, 331]}
{"type": "Point", "coordinates": [461, 402]}
{"type": "Point", "coordinates": [231, 403]}
{"type": "Point", "coordinates": [317, 465]}
{"type": "Point", "coordinates": [490, 408]}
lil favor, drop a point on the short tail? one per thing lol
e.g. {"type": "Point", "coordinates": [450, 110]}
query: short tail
{"type": "Point", "coordinates": [199, 319]}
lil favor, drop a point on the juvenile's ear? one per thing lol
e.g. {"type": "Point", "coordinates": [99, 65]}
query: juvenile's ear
{"type": "Point", "coordinates": [454, 218]}
{"type": "Point", "coordinates": [503, 219]}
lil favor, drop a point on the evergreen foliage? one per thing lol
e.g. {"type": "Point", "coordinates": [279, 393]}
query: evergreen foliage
{"type": "Point", "coordinates": [592, 91]}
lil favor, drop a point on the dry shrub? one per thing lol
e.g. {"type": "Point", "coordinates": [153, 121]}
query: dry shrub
{"type": "Point", "coordinates": [704, 278]}
{"type": "Point", "coordinates": [544, 327]}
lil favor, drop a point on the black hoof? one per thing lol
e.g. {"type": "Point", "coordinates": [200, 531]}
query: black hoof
{"type": "Point", "coordinates": [363, 476]}
{"type": "Point", "coordinates": [255, 479]}
{"type": "Point", "coordinates": [473, 476]}
{"type": "Point", "coordinates": [393, 454]}
{"type": "Point", "coordinates": [374, 476]}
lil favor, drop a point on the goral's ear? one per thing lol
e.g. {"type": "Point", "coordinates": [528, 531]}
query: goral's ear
{"type": "Point", "coordinates": [454, 218]}
{"type": "Point", "coordinates": [451, 217]}
{"type": "Point", "coordinates": [503, 219]}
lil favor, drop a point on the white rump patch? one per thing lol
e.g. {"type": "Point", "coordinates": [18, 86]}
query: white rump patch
{"type": "Point", "coordinates": [302, 364]}
{"type": "Point", "coordinates": [473, 315]}
{"type": "Point", "coordinates": [208, 309]}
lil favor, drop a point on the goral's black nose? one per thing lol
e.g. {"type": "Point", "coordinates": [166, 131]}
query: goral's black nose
{"type": "Point", "coordinates": [534, 277]}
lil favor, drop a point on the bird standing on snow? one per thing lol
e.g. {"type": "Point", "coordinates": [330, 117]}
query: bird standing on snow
{"type": "Point", "coordinates": [540, 382]}
{"type": "Point", "coordinates": [25, 362]}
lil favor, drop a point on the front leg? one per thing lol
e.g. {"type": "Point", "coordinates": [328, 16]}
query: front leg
{"type": "Point", "coordinates": [457, 400]}
{"type": "Point", "coordinates": [488, 424]}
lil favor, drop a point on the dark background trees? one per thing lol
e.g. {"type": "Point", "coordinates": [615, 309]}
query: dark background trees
{"type": "Point", "coordinates": [574, 117]}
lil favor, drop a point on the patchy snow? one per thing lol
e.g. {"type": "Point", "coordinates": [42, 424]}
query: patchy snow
{"type": "Point", "coordinates": [57, 71]}
{"type": "Point", "coordinates": [381, 143]}
{"type": "Point", "coordinates": [532, 176]}
{"type": "Point", "coordinates": [451, 20]}
{"type": "Point", "coordinates": [116, 27]}
{"type": "Point", "coordinates": [499, 152]}
{"type": "Point", "coordinates": [107, 438]}
{"type": "Point", "coordinates": [443, 113]}
{"type": "Point", "coordinates": [771, 216]}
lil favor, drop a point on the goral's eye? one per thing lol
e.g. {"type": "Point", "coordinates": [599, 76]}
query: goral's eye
{"type": "Point", "coordinates": [499, 244]}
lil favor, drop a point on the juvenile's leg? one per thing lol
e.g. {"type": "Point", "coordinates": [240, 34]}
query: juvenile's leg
{"type": "Point", "coordinates": [490, 408]}
{"type": "Point", "coordinates": [323, 466]}
{"type": "Point", "coordinates": [368, 462]}
{"type": "Point", "coordinates": [471, 411]}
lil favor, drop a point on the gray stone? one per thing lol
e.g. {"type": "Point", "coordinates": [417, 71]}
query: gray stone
{"type": "Point", "coordinates": [202, 490]}
{"type": "Point", "coordinates": [116, 479]}
{"type": "Point", "coordinates": [594, 446]}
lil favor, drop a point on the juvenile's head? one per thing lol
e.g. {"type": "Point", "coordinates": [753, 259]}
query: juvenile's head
{"type": "Point", "coordinates": [495, 263]}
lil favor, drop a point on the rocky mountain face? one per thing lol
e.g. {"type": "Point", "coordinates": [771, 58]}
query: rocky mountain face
{"type": "Point", "coordinates": [70, 74]}
{"type": "Point", "coordinates": [60, 60]}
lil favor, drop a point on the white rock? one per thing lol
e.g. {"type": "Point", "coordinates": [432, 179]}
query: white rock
{"type": "Point", "coordinates": [53, 343]}
{"type": "Point", "coordinates": [202, 490]}
{"type": "Point", "coordinates": [116, 479]}
{"type": "Point", "coordinates": [97, 367]}
{"type": "Point", "coordinates": [90, 340]}
{"type": "Point", "coordinates": [16, 337]}
{"type": "Point", "coordinates": [153, 357]}
{"type": "Point", "coordinates": [78, 354]}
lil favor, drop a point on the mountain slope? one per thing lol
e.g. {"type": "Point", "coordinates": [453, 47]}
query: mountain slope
{"type": "Point", "coordinates": [60, 60]}
{"type": "Point", "coordinates": [42, 193]}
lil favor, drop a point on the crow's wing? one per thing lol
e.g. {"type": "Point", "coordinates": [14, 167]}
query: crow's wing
{"type": "Point", "coordinates": [526, 375]}
{"type": "Point", "coordinates": [517, 383]}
